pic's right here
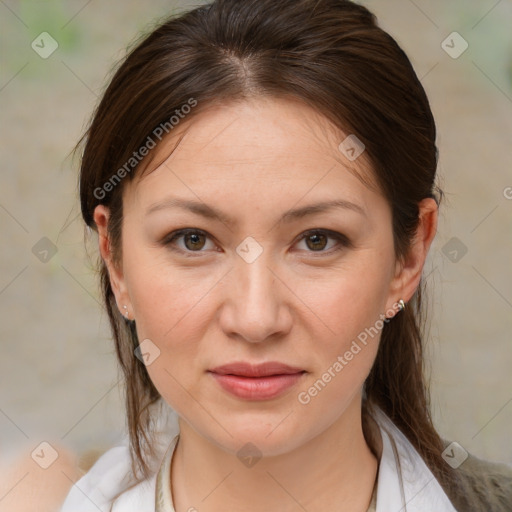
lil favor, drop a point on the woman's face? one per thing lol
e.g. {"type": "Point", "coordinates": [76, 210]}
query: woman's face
{"type": "Point", "coordinates": [248, 283]}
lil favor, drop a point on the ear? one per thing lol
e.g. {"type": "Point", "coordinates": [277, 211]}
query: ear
{"type": "Point", "coordinates": [408, 272]}
{"type": "Point", "coordinates": [115, 271]}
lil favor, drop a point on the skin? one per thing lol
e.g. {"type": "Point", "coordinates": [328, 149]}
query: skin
{"type": "Point", "coordinates": [25, 486]}
{"type": "Point", "coordinates": [298, 303]}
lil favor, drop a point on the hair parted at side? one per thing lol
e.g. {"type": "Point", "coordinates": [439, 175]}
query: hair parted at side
{"type": "Point", "coordinates": [329, 54]}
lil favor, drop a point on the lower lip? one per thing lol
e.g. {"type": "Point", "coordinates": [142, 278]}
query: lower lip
{"type": "Point", "coordinates": [257, 388]}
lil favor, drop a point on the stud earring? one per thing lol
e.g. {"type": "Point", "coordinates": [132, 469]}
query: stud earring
{"type": "Point", "coordinates": [401, 306]}
{"type": "Point", "coordinates": [126, 314]}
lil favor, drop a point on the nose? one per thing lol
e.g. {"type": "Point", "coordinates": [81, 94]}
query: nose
{"type": "Point", "coordinates": [257, 302]}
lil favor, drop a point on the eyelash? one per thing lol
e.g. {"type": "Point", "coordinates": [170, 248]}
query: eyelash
{"type": "Point", "coordinates": [343, 241]}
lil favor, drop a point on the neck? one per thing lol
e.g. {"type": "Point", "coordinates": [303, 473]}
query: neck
{"type": "Point", "coordinates": [334, 470]}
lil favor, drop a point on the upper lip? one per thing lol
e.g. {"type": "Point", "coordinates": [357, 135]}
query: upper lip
{"type": "Point", "coordinates": [245, 369]}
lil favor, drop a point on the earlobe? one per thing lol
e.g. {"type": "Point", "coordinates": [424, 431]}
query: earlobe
{"type": "Point", "coordinates": [408, 271]}
{"type": "Point", "coordinates": [101, 218]}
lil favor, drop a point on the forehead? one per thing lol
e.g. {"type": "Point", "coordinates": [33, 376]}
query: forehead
{"type": "Point", "coordinates": [263, 145]}
{"type": "Point", "coordinates": [262, 128]}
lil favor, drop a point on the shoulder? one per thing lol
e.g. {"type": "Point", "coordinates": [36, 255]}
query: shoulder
{"type": "Point", "coordinates": [111, 486]}
{"type": "Point", "coordinates": [485, 486]}
{"type": "Point", "coordinates": [481, 485]}
{"type": "Point", "coordinates": [97, 489]}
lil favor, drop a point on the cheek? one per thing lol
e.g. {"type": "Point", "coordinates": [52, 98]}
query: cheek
{"type": "Point", "coordinates": [344, 353]}
{"type": "Point", "coordinates": [354, 326]}
{"type": "Point", "coordinates": [349, 299]}
{"type": "Point", "coordinates": [347, 326]}
{"type": "Point", "coordinates": [169, 311]}
{"type": "Point", "coordinates": [163, 297]}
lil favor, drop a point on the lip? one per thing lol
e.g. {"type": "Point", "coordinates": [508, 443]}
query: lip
{"type": "Point", "coordinates": [257, 381]}
{"type": "Point", "coordinates": [244, 369]}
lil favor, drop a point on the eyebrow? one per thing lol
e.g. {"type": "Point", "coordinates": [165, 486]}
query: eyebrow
{"type": "Point", "coordinates": [209, 212]}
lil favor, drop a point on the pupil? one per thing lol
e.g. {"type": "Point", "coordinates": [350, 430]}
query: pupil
{"type": "Point", "coordinates": [316, 237]}
{"type": "Point", "coordinates": [195, 240]}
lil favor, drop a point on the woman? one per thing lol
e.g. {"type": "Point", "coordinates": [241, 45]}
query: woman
{"type": "Point", "coordinates": [261, 176]}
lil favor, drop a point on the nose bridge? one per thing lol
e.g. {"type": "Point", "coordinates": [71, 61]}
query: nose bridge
{"type": "Point", "coordinates": [257, 308]}
{"type": "Point", "coordinates": [257, 281]}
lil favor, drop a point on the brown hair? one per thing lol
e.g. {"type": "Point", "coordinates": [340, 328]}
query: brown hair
{"type": "Point", "coordinates": [329, 54]}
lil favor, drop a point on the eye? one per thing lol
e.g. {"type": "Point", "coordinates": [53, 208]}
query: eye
{"type": "Point", "coordinates": [316, 241]}
{"type": "Point", "coordinates": [193, 240]}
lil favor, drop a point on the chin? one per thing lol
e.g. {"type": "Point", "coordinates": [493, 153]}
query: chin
{"type": "Point", "coordinates": [266, 438]}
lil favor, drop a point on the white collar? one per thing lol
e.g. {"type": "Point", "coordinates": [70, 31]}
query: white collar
{"type": "Point", "coordinates": [405, 484]}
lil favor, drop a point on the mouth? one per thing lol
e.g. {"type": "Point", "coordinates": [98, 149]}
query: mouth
{"type": "Point", "coordinates": [257, 381]}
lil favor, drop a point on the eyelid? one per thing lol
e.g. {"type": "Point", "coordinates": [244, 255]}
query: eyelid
{"type": "Point", "coordinates": [343, 241]}
{"type": "Point", "coordinates": [168, 240]}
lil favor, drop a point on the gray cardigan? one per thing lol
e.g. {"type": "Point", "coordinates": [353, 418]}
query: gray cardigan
{"type": "Point", "coordinates": [484, 486]}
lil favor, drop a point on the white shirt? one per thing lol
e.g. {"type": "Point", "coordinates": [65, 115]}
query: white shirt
{"type": "Point", "coordinates": [404, 484]}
